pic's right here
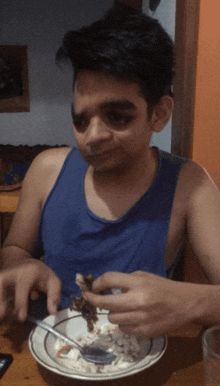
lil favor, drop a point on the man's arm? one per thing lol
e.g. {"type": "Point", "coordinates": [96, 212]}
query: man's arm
{"type": "Point", "coordinates": [203, 222]}
{"type": "Point", "coordinates": [151, 305]}
{"type": "Point", "coordinates": [21, 271]}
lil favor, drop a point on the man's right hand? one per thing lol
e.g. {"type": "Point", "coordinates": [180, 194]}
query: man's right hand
{"type": "Point", "coordinates": [19, 282]}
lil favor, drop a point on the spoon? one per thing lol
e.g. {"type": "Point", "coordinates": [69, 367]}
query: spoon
{"type": "Point", "coordinates": [91, 354]}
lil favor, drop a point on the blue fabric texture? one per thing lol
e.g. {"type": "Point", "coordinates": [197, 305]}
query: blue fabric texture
{"type": "Point", "coordinates": [74, 240]}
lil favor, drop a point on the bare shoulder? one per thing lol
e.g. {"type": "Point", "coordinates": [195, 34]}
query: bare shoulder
{"type": "Point", "coordinates": [36, 186]}
{"type": "Point", "coordinates": [196, 204]}
{"type": "Point", "coordinates": [48, 161]}
{"type": "Point", "coordinates": [195, 184]}
{"type": "Point", "coordinates": [201, 199]}
{"type": "Point", "coordinates": [53, 156]}
{"type": "Point", "coordinates": [43, 172]}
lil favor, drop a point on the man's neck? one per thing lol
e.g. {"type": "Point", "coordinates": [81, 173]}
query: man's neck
{"type": "Point", "coordinates": [111, 195]}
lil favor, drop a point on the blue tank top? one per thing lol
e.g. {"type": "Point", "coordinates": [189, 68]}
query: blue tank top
{"type": "Point", "coordinates": [74, 240]}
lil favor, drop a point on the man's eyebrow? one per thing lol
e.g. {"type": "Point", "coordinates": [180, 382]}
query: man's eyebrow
{"type": "Point", "coordinates": [121, 104]}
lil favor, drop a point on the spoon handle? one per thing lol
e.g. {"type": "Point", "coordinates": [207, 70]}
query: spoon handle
{"type": "Point", "coordinates": [53, 331]}
{"type": "Point", "coordinates": [96, 355]}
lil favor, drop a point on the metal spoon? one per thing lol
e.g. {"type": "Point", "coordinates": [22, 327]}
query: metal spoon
{"type": "Point", "coordinates": [91, 354]}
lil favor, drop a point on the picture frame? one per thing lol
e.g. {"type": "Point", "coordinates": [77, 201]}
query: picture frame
{"type": "Point", "coordinates": [14, 84]}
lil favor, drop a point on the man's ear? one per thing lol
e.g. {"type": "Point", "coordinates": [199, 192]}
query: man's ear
{"type": "Point", "coordinates": [162, 113]}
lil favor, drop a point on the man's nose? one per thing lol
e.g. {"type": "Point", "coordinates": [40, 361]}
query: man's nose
{"type": "Point", "coordinates": [97, 131]}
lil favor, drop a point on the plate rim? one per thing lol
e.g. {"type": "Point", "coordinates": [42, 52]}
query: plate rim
{"type": "Point", "coordinates": [136, 368]}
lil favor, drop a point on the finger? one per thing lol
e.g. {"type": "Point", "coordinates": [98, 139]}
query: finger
{"type": "Point", "coordinates": [144, 331]}
{"type": "Point", "coordinates": [3, 308]}
{"type": "Point", "coordinates": [6, 295]}
{"type": "Point", "coordinates": [140, 273]}
{"type": "Point", "coordinates": [22, 291]}
{"type": "Point", "coordinates": [53, 294]}
{"type": "Point", "coordinates": [140, 330]}
{"type": "Point", "coordinates": [119, 302]}
{"type": "Point", "coordinates": [128, 318]}
{"type": "Point", "coordinates": [9, 314]}
{"type": "Point", "coordinates": [111, 280]}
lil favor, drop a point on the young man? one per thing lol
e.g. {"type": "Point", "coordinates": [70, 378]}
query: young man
{"type": "Point", "coordinates": [117, 208]}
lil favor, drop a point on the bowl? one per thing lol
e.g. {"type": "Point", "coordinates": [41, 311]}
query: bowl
{"type": "Point", "coordinates": [42, 345]}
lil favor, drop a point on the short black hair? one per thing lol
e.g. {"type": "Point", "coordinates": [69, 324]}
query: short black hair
{"type": "Point", "coordinates": [128, 45]}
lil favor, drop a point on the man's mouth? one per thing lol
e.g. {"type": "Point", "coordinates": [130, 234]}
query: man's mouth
{"type": "Point", "coordinates": [100, 153]}
{"type": "Point", "coordinates": [98, 157]}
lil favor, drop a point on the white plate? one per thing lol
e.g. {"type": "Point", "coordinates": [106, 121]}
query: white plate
{"type": "Point", "coordinates": [41, 345]}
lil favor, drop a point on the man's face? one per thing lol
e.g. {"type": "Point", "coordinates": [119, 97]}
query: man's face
{"type": "Point", "coordinates": [110, 121]}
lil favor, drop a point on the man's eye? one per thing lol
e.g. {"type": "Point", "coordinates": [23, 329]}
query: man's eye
{"type": "Point", "coordinates": [118, 119]}
{"type": "Point", "coordinates": [80, 123]}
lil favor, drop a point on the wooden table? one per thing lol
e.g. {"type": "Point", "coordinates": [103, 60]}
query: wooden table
{"type": "Point", "coordinates": [181, 364]}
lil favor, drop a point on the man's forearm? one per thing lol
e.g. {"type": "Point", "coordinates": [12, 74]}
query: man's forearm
{"type": "Point", "coordinates": [13, 256]}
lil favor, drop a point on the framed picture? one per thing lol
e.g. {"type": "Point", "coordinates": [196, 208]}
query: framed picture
{"type": "Point", "coordinates": [14, 85]}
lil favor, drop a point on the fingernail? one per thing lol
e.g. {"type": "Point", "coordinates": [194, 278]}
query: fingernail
{"type": "Point", "coordinates": [52, 308]}
{"type": "Point", "coordinates": [22, 316]}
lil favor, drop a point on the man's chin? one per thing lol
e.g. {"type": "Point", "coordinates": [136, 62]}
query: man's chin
{"type": "Point", "coordinates": [100, 163]}
{"type": "Point", "coordinates": [104, 168]}
{"type": "Point", "coordinates": [114, 169]}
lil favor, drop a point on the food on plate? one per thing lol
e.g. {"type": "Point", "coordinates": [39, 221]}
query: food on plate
{"type": "Point", "coordinates": [64, 350]}
{"type": "Point", "coordinates": [88, 311]}
{"type": "Point", "coordinates": [127, 348]}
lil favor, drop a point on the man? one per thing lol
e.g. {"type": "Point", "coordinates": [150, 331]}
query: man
{"type": "Point", "coordinates": [119, 209]}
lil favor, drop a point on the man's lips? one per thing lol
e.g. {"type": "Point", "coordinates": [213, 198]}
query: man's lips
{"type": "Point", "coordinates": [99, 156]}
{"type": "Point", "coordinates": [101, 153]}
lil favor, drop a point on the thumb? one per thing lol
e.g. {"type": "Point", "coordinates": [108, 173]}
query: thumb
{"type": "Point", "coordinates": [53, 294]}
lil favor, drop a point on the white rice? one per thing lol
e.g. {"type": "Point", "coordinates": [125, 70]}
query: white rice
{"type": "Point", "coordinates": [109, 337]}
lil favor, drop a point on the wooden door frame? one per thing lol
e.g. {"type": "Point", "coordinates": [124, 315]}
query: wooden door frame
{"type": "Point", "coordinates": [186, 38]}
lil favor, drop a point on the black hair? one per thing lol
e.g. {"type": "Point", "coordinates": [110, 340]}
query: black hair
{"type": "Point", "coordinates": [128, 45]}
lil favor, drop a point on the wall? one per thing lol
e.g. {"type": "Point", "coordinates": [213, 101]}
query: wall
{"type": "Point", "coordinates": [165, 13]}
{"type": "Point", "coordinates": [206, 136]}
{"type": "Point", "coordinates": [41, 25]}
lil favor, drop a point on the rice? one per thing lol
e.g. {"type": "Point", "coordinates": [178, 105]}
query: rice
{"type": "Point", "coordinates": [109, 337]}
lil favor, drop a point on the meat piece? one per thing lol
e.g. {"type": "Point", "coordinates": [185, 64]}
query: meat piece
{"type": "Point", "coordinates": [84, 282]}
{"type": "Point", "coordinates": [64, 350]}
{"type": "Point", "coordinates": [88, 311]}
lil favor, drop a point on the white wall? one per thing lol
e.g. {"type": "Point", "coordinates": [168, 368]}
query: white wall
{"type": "Point", "coordinates": [41, 25]}
{"type": "Point", "coordinates": [165, 14]}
